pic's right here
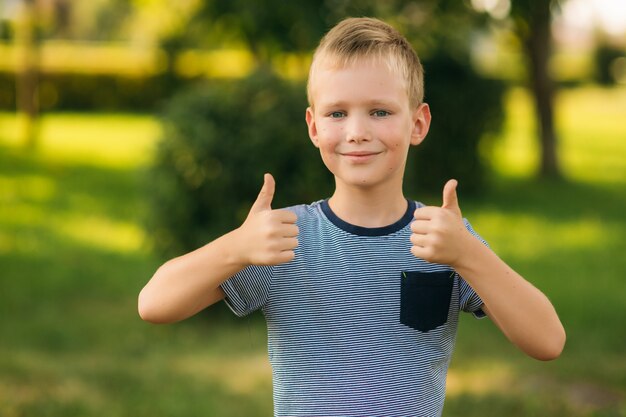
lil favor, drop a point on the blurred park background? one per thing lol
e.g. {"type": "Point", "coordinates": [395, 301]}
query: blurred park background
{"type": "Point", "coordinates": [134, 130]}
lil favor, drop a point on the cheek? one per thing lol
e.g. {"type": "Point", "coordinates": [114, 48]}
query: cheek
{"type": "Point", "coordinates": [326, 147]}
{"type": "Point", "coordinates": [329, 137]}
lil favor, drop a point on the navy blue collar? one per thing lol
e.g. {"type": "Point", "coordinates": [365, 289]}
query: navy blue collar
{"type": "Point", "coordinates": [370, 231]}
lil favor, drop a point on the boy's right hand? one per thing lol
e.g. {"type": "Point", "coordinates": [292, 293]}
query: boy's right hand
{"type": "Point", "coordinates": [268, 237]}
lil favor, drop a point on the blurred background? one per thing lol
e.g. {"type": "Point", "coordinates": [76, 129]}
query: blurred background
{"type": "Point", "coordinates": [132, 131]}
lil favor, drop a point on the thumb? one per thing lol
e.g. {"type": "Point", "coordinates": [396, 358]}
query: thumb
{"type": "Point", "coordinates": [264, 200]}
{"type": "Point", "coordinates": [450, 199]}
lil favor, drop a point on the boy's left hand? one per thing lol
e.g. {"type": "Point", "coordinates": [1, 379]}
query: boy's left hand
{"type": "Point", "coordinates": [439, 234]}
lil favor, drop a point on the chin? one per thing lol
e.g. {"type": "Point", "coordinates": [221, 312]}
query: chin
{"type": "Point", "coordinates": [363, 182]}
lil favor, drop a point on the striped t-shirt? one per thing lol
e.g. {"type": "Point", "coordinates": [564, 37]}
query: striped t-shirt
{"type": "Point", "coordinates": [357, 325]}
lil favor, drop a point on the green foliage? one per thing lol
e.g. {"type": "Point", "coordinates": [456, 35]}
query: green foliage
{"type": "Point", "coordinates": [267, 27]}
{"type": "Point", "coordinates": [605, 57]}
{"type": "Point", "coordinates": [219, 140]}
{"type": "Point", "coordinates": [464, 108]}
{"type": "Point", "coordinates": [271, 27]}
{"type": "Point", "coordinates": [83, 92]}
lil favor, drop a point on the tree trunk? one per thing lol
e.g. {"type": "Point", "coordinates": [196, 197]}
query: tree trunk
{"type": "Point", "coordinates": [538, 45]}
{"type": "Point", "coordinates": [27, 78]}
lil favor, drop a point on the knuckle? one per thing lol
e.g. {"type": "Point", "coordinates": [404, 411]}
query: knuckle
{"type": "Point", "coordinates": [267, 233]}
{"type": "Point", "coordinates": [429, 254]}
{"type": "Point", "coordinates": [435, 241]}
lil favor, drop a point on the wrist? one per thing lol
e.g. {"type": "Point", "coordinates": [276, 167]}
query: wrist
{"type": "Point", "coordinates": [234, 251]}
{"type": "Point", "coordinates": [469, 253]}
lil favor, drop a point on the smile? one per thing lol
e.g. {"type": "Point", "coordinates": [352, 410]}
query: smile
{"type": "Point", "coordinates": [359, 156]}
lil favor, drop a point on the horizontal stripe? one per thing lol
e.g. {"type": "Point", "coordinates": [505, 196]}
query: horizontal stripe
{"type": "Point", "coordinates": [335, 339]}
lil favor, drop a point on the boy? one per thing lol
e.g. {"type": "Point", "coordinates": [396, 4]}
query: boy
{"type": "Point", "coordinates": [361, 292]}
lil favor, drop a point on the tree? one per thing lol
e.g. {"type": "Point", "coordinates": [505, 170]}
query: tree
{"type": "Point", "coordinates": [533, 25]}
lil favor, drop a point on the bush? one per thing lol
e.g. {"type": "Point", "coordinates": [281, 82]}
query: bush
{"type": "Point", "coordinates": [88, 92]}
{"type": "Point", "coordinates": [605, 56]}
{"type": "Point", "coordinates": [220, 138]}
{"type": "Point", "coordinates": [464, 108]}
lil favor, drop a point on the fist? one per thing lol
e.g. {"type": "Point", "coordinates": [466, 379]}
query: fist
{"type": "Point", "coordinates": [268, 237]}
{"type": "Point", "coordinates": [439, 235]}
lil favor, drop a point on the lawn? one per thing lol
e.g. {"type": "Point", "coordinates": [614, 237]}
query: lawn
{"type": "Point", "coordinates": [74, 255]}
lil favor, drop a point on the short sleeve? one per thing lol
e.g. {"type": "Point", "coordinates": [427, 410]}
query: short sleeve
{"type": "Point", "coordinates": [471, 302]}
{"type": "Point", "coordinates": [248, 290]}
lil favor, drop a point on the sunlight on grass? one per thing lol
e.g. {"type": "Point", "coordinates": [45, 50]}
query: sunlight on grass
{"type": "Point", "coordinates": [21, 207]}
{"type": "Point", "coordinates": [117, 141]}
{"type": "Point", "coordinates": [515, 153]}
{"type": "Point", "coordinates": [101, 232]}
{"type": "Point", "coordinates": [35, 188]}
{"type": "Point", "coordinates": [241, 375]}
{"type": "Point", "coordinates": [23, 216]}
{"type": "Point", "coordinates": [90, 231]}
{"type": "Point", "coordinates": [590, 128]}
{"type": "Point", "coordinates": [24, 207]}
{"type": "Point", "coordinates": [484, 379]}
{"type": "Point", "coordinates": [528, 238]}
{"type": "Point", "coordinates": [106, 140]}
{"type": "Point", "coordinates": [593, 134]}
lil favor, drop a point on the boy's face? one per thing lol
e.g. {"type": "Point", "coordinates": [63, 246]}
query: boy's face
{"type": "Point", "coordinates": [362, 123]}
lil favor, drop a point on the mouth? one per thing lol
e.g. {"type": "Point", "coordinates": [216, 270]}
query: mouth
{"type": "Point", "coordinates": [359, 156]}
{"type": "Point", "coordinates": [360, 153]}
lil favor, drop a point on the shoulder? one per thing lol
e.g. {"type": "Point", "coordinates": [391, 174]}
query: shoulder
{"type": "Point", "coordinates": [306, 212]}
{"type": "Point", "coordinates": [469, 227]}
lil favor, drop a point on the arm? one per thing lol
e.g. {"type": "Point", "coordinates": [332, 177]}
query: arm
{"type": "Point", "coordinates": [522, 312]}
{"type": "Point", "coordinates": [186, 285]}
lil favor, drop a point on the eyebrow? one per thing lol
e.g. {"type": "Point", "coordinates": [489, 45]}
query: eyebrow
{"type": "Point", "coordinates": [376, 102]}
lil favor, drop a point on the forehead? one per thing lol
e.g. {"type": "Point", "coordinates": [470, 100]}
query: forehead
{"type": "Point", "coordinates": [362, 79]}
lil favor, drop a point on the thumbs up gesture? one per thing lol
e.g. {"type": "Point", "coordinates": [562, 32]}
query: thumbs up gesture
{"type": "Point", "coordinates": [268, 237]}
{"type": "Point", "coordinates": [439, 234]}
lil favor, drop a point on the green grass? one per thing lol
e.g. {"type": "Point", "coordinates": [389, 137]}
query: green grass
{"type": "Point", "coordinates": [590, 133]}
{"type": "Point", "coordinates": [73, 257]}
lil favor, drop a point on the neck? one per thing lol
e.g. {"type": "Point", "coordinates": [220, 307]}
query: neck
{"type": "Point", "coordinates": [368, 207]}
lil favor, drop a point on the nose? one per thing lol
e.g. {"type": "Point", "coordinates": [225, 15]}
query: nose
{"type": "Point", "coordinates": [357, 130]}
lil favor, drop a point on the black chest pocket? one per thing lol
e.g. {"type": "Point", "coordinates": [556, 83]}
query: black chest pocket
{"type": "Point", "coordinates": [425, 299]}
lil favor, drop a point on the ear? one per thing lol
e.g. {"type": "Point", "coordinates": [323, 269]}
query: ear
{"type": "Point", "coordinates": [421, 124]}
{"type": "Point", "coordinates": [310, 122]}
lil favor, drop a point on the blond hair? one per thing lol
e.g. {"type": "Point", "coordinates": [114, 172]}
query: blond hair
{"type": "Point", "coordinates": [354, 39]}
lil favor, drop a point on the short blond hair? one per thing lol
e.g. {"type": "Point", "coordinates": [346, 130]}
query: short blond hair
{"type": "Point", "coordinates": [357, 38]}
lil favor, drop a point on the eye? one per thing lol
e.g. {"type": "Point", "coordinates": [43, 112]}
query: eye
{"type": "Point", "coordinates": [336, 115]}
{"type": "Point", "coordinates": [381, 113]}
